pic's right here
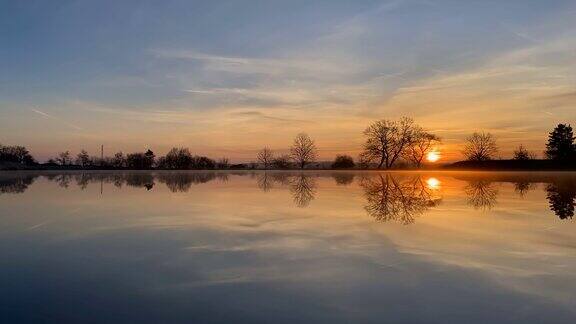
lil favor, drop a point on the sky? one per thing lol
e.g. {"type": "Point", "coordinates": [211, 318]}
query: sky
{"type": "Point", "coordinates": [226, 78]}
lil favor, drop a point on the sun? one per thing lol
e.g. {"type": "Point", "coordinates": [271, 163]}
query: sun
{"type": "Point", "coordinates": [433, 156]}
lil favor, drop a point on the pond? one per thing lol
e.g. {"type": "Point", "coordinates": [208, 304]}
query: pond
{"type": "Point", "coordinates": [286, 247]}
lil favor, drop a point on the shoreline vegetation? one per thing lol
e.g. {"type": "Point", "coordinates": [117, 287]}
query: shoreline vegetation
{"type": "Point", "coordinates": [389, 145]}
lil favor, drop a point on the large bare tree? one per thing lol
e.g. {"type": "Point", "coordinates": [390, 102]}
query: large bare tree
{"type": "Point", "coordinates": [480, 147]}
{"type": "Point", "coordinates": [265, 156]}
{"type": "Point", "coordinates": [387, 140]}
{"type": "Point", "coordinates": [303, 150]}
{"type": "Point", "coordinates": [64, 158]}
{"type": "Point", "coordinates": [423, 143]}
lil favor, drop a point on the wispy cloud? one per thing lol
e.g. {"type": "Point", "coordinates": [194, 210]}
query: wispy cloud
{"type": "Point", "coordinates": [258, 114]}
{"type": "Point", "coordinates": [60, 120]}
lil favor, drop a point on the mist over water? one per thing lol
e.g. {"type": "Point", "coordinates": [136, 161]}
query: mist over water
{"type": "Point", "coordinates": [313, 247]}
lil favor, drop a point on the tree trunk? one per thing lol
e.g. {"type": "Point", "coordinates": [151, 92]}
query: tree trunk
{"type": "Point", "coordinates": [381, 162]}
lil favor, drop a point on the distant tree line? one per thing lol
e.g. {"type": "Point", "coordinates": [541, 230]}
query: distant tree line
{"type": "Point", "coordinates": [387, 142]}
{"type": "Point", "coordinates": [15, 154]}
{"type": "Point", "coordinates": [560, 147]}
{"type": "Point", "coordinates": [175, 159]}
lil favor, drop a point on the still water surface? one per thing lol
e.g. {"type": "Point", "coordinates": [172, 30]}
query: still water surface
{"type": "Point", "coordinates": [285, 247]}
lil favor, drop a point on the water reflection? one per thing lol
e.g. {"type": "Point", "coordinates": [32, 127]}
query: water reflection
{"type": "Point", "coordinates": [303, 189]}
{"type": "Point", "coordinates": [343, 179]}
{"type": "Point", "coordinates": [561, 197]}
{"type": "Point", "coordinates": [523, 187]}
{"type": "Point", "coordinates": [16, 183]}
{"type": "Point", "coordinates": [184, 181]}
{"type": "Point", "coordinates": [267, 245]}
{"type": "Point", "coordinates": [265, 181]}
{"type": "Point", "coordinates": [388, 196]}
{"type": "Point", "coordinates": [394, 198]}
{"type": "Point", "coordinates": [302, 186]}
{"type": "Point", "coordinates": [481, 194]}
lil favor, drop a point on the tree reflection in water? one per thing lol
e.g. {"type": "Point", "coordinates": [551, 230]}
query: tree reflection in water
{"type": "Point", "coordinates": [392, 198]}
{"type": "Point", "coordinates": [182, 182]}
{"type": "Point", "coordinates": [343, 179]}
{"type": "Point", "coordinates": [265, 182]}
{"type": "Point", "coordinates": [481, 194]}
{"type": "Point", "coordinates": [302, 186]}
{"type": "Point", "coordinates": [16, 184]}
{"type": "Point", "coordinates": [523, 187]}
{"type": "Point", "coordinates": [389, 196]}
{"type": "Point", "coordinates": [303, 189]}
{"type": "Point", "coordinates": [562, 198]}
{"type": "Point", "coordinates": [63, 180]}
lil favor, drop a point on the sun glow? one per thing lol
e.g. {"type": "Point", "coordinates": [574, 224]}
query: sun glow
{"type": "Point", "coordinates": [433, 183]}
{"type": "Point", "coordinates": [433, 156]}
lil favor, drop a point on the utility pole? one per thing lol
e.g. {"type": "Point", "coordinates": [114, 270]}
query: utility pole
{"type": "Point", "coordinates": [102, 155]}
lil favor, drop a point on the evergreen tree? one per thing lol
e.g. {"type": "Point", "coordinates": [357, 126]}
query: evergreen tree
{"type": "Point", "coordinates": [561, 145]}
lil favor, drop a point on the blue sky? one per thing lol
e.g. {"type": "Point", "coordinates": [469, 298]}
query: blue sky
{"type": "Point", "coordinates": [228, 77]}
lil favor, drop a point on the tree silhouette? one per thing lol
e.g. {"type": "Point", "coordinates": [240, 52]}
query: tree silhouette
{"type": "Point", "coordinates": [140, 161]}
{"type": "Point", "coordinates": [176, 159]}
{"type": "Point", "coordinates": [16, 154]}
{"type": "Point", "coordinates": [119, 161]}
{"type": "Point", "coordinates": [522, 154]}
{"type": "Point", "coordinates": [223, 163]}
{"type": "Point", "coordinates": [281, 162]}
{"type": "Point", "coordinates": [64, 158]}
{"type": "Point", "coordinates": [480, 147]}
{"type": "Point", "coordinates": [202, 163]}
{"type": "Point", "coordinates": [83, 159]}
{"type": "Point", "coordinates": [343, 162]}
{"type": "Point", "coordinates": [387, 140]}
{"type": "Point", "coordinates": [422, 143]}
{"type": "Point", "coordinates": [560, 144]}
{"type": "Point", "coordinates": [303, 150]}
{"type": "Point", "coordinates": [149, 156]}
{"type": "Point", "coordinates": [265, 157]}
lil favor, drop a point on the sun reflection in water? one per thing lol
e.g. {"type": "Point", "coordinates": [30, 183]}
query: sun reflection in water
{"type": "Point", "coordinates": [433, 183]}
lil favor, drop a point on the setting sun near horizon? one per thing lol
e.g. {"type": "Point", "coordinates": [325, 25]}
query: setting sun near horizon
{"type": "Point", "coordinates": [433, 156]}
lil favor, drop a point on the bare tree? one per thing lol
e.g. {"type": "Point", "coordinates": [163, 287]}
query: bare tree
{"type": "Point", "coordinates": [422, 143]}
{"type": "Point", "coordinates": [303, 150]}
{"type": "Point", "coordinates": [265, 156]}
{"type": "Point", "coordinates": [64, 158]}
{"type": "Point", "coordinates": [387, 140]}
{"type": "Point", "coordinates": [480, 147]}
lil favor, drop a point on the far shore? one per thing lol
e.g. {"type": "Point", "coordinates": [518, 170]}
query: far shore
{"type": "Point", "coordinates": [491, 165]}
